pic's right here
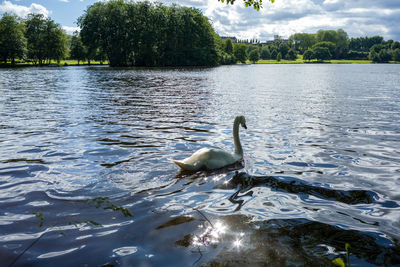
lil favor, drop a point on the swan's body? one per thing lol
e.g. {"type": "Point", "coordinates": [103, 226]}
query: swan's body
{"type": "Point", "coordinates": [211, 158]}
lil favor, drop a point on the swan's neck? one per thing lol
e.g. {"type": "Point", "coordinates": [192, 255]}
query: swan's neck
{"type": "Point", "coordinates": [236, 139]}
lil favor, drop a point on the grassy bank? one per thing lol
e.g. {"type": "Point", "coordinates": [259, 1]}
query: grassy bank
{"type": "Point", "coordinates": [67, 62]}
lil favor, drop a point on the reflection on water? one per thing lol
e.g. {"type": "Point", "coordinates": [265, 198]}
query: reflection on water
{"type": "Point", "coordinates": [83, 146]}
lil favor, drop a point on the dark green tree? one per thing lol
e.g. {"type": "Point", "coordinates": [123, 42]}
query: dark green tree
{"type": "Point", "coordinates": [228, 46]}
{"type": "Point", "coordinates": [321, 53]}
{"type": "Point", "coordinates": [265, 54]}
{"type": "Point", "coordinates": [396, 54]}
{"type": "Point", "coordinates": [46, 39]}
{"type": "Point", "coordinates": [374, 56]}
{"type": "Point", "coordinates": [329, 45]}
{"type": "Point", "coordinates": [239, 50]}
{"type": "Point", "coordinates": [283, 49]}
{"type": "Point", "coordinates": [149, 34]}
{"type": "Point", "coordinates": [12, 39]}
{"type": "Point", "coordinates": [308, 55]}
{"type": "Point", "coordinates": [395, 45]}
{"type": "Point", "coordinates": [254, 56]}
{"type": "Point", "coordinates": [35, 35]}
{"type": "Point", "coordinates": [77, 50]}
{"type": "Point", "coordinates": [55, 41]}
{"type": "Point", "coordinates": [384, 56]}
{"type": "Point", "coordinates": [303, 41]}
{"type": "Point", "coordinates": [279, 57]}
{"type": "Point", "coordinates": [274, 52]}
{"type": "Point", "coordinates": [291, 54]}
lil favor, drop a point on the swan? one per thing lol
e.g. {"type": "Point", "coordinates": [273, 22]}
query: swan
{"type": "Point", "coordinates": [211, 158]}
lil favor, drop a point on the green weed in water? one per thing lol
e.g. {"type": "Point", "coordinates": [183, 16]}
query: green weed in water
{"type": "Point", "coordinates": [339, 261]}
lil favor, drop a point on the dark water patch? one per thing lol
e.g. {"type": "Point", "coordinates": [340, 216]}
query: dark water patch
{"type": "Point", "coordinates": [41, 161]}
{"type": "Point", "coordinates": [297, 186]}
{"type": "Point", "coordinates": [176, 221]}
{"type": "Point", "coordinates": [302, 242]}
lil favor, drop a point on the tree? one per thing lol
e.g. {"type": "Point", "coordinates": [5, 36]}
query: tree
{"type": "Point", "coordinates": [303, 41]}
{"type": "Point", "coordinates": [35, 30]}
{"type": "Point", "coordinates": [279, 57]}
{"type": "Point", "coordinates": [308, 55]}
{"type": "Point", "coordinates": [384, 56]}
{"type": "Point", "coordinates": [149, 34]}
{"type": "Point", "coordinates": [329, 45]}
{"type": "Point", "coordinates": [373, 56]}
{"type": "Point", "coordinates": [12, 39]}
{"type": "Point", "coordinates": [228, 46]}
{"type": "Point", "coordinates": [395, 45]}
{"type": "Point", "coordinates": [46, 39]}
{"type": "Point", "coordinates": [283, 49]}
{"type": "Point", "coordinates": [239, 50]}
{"type": "Point", "coordinates": [265, 54]}
{"type": "Point", "coordinates": [321, 53]}
{"type": "Point", "coordinates": [77, 50]}
{"type": "Point", "coordinates": [254, 56]}
{"type": "Point", "coordinates": [291, 55]}
{"type": "Point", "coordinates": [396, 54]}
{"type": "Point", "coordinates": [55, 40]}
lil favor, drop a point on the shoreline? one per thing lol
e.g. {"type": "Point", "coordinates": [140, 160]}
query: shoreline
{"type": "Point", "coordinates": [68, 63]}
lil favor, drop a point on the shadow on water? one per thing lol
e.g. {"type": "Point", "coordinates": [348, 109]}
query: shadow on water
{"type": "Point", "coordinates": [238, 240]}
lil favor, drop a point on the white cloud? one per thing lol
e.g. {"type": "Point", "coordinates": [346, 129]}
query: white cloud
{"type": "Point", "coordinates": [70, 30]}
{"type": "Point", "coordinates": [286, 17]}
{"type": "Point", "coordinates": [23, 11]}
{"type": "Point", "coordinates": [65, 1]}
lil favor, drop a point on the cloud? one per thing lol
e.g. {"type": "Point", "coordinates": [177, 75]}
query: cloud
{"type": "Point", "coordinates": [70, 30]}
{"type": "Point", "coordinates": [286, 17]}
{"type": "Point", "coordinates": [23, 11]}
{"type": "Point", "coordinates": [65, 1]}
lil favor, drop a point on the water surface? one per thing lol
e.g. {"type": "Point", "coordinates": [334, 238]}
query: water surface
{"type": "Point", "coordinates": [81, 147]}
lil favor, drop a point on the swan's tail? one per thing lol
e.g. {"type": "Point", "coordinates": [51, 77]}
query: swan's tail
{"type": "Point", "coordinates": [182, 165]}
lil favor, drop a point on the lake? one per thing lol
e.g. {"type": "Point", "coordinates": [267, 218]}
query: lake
{"type": "Point", "coordinates": [84, 148]}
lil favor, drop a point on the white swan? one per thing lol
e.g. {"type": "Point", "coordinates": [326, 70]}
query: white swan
{"type": "Point", "coordinates": [210, 158]}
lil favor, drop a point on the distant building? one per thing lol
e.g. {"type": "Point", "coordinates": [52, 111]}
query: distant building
{"type": "Point", "coordinates": [277, 40]}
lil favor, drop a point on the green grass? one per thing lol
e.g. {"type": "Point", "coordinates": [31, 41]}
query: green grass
{"type": "Point", "coordinates": [67, 62]}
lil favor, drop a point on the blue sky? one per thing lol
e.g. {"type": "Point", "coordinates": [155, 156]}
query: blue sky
{"type": "Point", "coordinates": [284, 17]}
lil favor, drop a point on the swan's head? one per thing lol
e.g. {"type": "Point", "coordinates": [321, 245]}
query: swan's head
{"type": "Point", "coordinates": [242, 121]}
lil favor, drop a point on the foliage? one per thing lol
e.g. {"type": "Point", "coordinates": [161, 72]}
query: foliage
{"type": "Point", "coordinates": [364, 44]}
{"type": "Point", "coordinates": [12, 39]}
{"type": "Point", "coordinates": [308, 55]}
{"type": "Point", "coordinates": [239, 50]}
{"type": "Point", "coordinates": [329, 45]}
{"type": "Point", "coordinates": [339, 261]}
{"type": "Point", "coordinates": [283, 49]}
{"type": "Point", "coordinates": [254, 55]}
{"type": "Point", "coordinates": [147, 34]}
{"type": "Point", "coordinates": [279, 57]}
{"type": "Point", "coordinates": [396, 54]}
{"type": "Point", "coordinates": [291, 54]}
{"type": "Point", "coordinates": [303, 41]}
{"type": "Point", "coordinates": [265, 54]}
{"type": "Point", "coordinates": [46, 39]}
{"type": "Point", "coordinates": [357, 55]}
{"type": "Point", "coordinates": [77, 50]}
{"type": "Point", "coordinates": [257, 4]}
{"type": "Point", "coordinates": [321, 53]}
{"type": "Point", "coordinates": [228, 46]}
{"type": "Point", "coordinates": [379, 54]}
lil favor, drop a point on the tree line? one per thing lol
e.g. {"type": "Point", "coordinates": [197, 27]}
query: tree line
{"type": "Point", "coordinates": [322, 45]}
{"type": "Point", "coordinates": [127, 33]}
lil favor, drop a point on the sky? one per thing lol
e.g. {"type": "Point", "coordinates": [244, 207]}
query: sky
{"type": "Point", "coordinates": [284, 17]}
